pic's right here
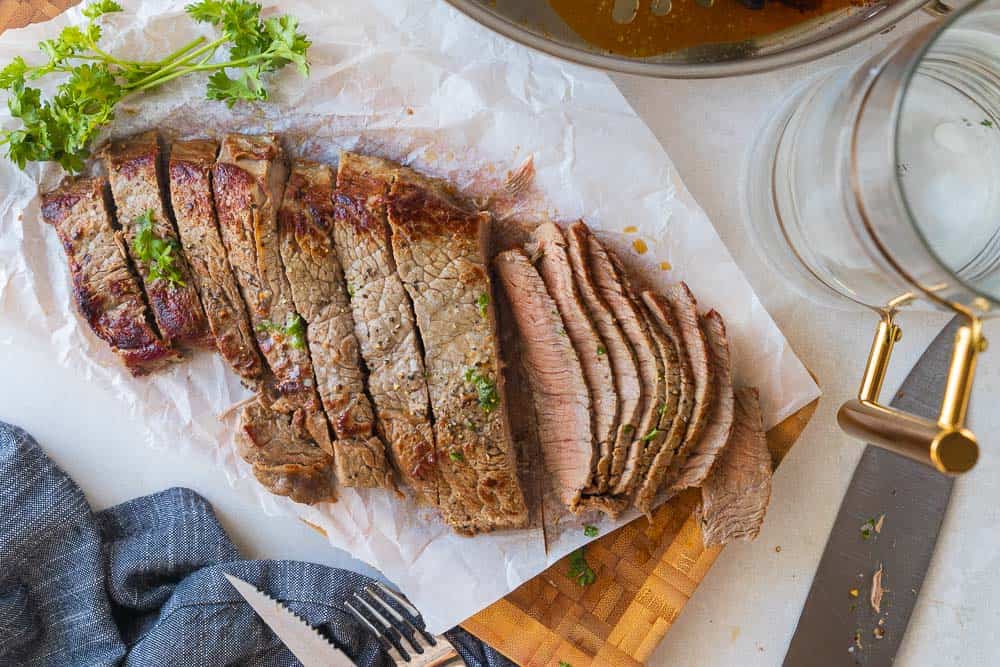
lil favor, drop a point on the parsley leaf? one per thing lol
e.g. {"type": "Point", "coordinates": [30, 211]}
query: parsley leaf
{"type": "Point", "coordinates": [590, 531]}
{"type": "Point", "coordinates": [155, 253]}
{"type": "Point", "coordinates": [456, 455]}
{"type": "Point", "coordinates": [579, 568]}
{"type": "Point", "coordinates": [653, 432]}
{"type": "Point", "coordinates": [293, 332]}
{"type": "Point", "coordinates": [486, 388]}
{"type": "Point", "coordinates": [483, 302]}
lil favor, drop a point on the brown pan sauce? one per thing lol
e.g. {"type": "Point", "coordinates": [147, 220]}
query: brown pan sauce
{"type": "Point", "coordinates": [686, 23]}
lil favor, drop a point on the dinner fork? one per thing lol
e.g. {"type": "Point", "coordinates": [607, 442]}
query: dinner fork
{"type": "Point", "coordinates": [402, 634]}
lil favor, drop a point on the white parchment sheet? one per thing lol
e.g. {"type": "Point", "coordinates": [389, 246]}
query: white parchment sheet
{"type": "Point", "coordinates": [415, 81]}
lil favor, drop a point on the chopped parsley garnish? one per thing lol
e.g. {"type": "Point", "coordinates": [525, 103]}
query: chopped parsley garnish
{"type": "Point", "coordinates": [350, 290]}
{"type": "Point", "coordinates": [627, 428]}
{"type": "Point", "coordinates": [483, 302]}
{"type": "Point", "coordinates": [61, 126]}
{"type": "Point", "coordinates": [294, 330]}
{"type": "Point", "coordinates": [456, 455]}
{"type": "Point", "coordinates": [601, 351]}
{"type": "Point", "coordinates": [157, 254]}
{"type": "Point", "coordinates": [986, 122]}
{"type": "Point", "coordinates": [867, 528]}
{"type": "Point", "coordinates": [579, 569]}
{"type": "Point", "coordinates": [486, 389]}
{"type": "Point", "coordinates": [661, 408]}
{"type": "Point", "coordinates": [590, 531]}
{"type": "Point", "coordinates": [563, 663]}
{"type": "Point", "coordinates": [653, 432]}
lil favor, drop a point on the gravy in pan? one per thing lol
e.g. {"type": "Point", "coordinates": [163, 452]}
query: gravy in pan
{"type": "Point", "coordinates": [641, 28]}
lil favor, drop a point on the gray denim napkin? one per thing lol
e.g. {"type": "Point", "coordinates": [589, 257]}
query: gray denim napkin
{"type": "Point", "coordinates": [141, 583]}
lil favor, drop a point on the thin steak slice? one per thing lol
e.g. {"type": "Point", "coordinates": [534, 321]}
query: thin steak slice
{"type": "Point", "coordinates": [624, 366]}
{"type": "Point", "coordinates": [305, 229]}
{"type": "Point", "coordinates": [190, 172]}
{"type": "Point", "coordinates": [720, 417]}
{"type": "Point", "coordinates": [249, 178]}
{"type": "Point", "coordinates": [661, 316]}
{"type": "Point", "coordinates": [383, 321]}
{"type": "Point", "coordinates": [628, 312]}
{"type": "Point", "coordinates": [137, 183]}
{"type": "Point", "coordinates": [441, 249]}
{"type": "Point", "coordinates": [549, 246]}
{"type": "Point", "coordinates": [685, 311]}
{"type": "Point", "coordinates": [560, 394]}
{"type": "Point", "coordinates": [105, 290]}
{"type": "Point", "coordinates": [734, 498]}
{"type": "Point", "coordinates": [284, 457]}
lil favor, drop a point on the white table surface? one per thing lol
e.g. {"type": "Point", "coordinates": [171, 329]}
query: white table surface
{"type": "Point", "coordinates": [746, 609]}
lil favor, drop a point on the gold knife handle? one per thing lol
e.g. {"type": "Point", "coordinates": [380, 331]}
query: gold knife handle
{"type": "Point", "coordinates": [442, 655]}
{"type": "Point", "coordinates": [945, 444]}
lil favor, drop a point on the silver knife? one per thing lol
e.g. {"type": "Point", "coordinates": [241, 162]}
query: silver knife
{"type": "Point", "coordinates": [887, 527]}
{"type": "Point", "coordinates": [309, 646]}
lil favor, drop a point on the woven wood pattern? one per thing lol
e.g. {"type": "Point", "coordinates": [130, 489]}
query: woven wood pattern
{"type": "Point", "coordinates": [646, 571]}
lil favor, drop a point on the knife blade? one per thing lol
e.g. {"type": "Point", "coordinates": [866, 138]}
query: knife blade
{"type": "Point", "coordinates": [309, 646]}
{"type": "Point", "coordinates": [906, 501]}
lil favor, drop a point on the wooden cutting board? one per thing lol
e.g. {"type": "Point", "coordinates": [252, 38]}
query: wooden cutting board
{"type": "Point", "coordinates": [646, 571]}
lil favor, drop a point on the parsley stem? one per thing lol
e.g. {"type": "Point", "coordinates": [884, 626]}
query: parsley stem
{"type": "Point", "coordinates": [180, 52]}
{"type": "Point", "coordinates": [199, 68]}
{"type": "Point", "coordinates": [171, 72]}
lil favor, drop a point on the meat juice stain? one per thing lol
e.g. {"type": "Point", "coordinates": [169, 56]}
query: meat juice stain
{"type": "Point", "coordinates": [659, 27]}
{"type": "Point", "coordinates": [640, 246]}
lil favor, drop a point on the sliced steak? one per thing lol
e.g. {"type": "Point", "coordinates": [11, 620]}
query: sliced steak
{"type": "Point", "coordinates": [441, 249]}
{"type": "Point", "coordinates": [734, 498]}
{"type": "Point", "coordinates": [720, 415]}
{"type": "Point", "coordinates": [137, 183]}
{"type": "Point", "coordinates": [624, 366]}
{"type": "Point", "coordinates": [560, 394]}
{"type": "Point", "coordinates": [305, 229]}
{"type": "Point", "coordinates": [549, 247]}
{"type": "Point", "coordinates": [284, 458]}
{"type": "Point", "coordinates": [249, 179]}
{"type": "Point", "coordinates": [383, 321]}
{"type": "Point", "coordinates": [190, 172]}
{"type": "Point", "coordinates": [105, 290]}
{"type": "Point", "coordinates": [628, 312]}
{"type": "Point", "coordinates": [675, 425]}
{"type": "Point", "coordinates": [685, 311]}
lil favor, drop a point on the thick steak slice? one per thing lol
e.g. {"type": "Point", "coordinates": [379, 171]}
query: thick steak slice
{"type": "Point", "coordinates": [560, 394]}
{"type": "Point", "coordinates": [441, 250]}
{"type": "Point", "coordinates": [190, 172]}
{"type": "Point", "coordinates": [624, 366]}
{"type": "Point", "coordinates": [682, 385]}
{"type": "Point", "coordinates": [734, 498]}
{"type": "Point", "coordinates": [305, 229]}
{"type": "Point", "coordinates": [549, 246]}
{"type": "Point", "coordinates": [137, 183]}
{"type": "Point", "coordinates": [720, 416]}
{"type": "Point", "coordinates": [105, 290]}
{"type": "Point", "coordinates": [685, 311]}
{"type": "Point", "coordinates": [284, 458]}
{"type": "Point", "coordinates": [383, 321]}
{"type": "Point", "coordinates": [625, 462]}
{"type": "Point", "coordinates": [249, 179]}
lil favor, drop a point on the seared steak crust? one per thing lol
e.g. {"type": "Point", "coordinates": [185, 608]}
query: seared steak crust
{"type": "Point", "coordinates": [105, 290]}
{"type": "Point", "coordinates": [682, 386]}
{"type": "Point", "coordinates": [305, 228]}
{"type": "Point", "coordinates": [137, 183]}
{"type": "Point", "coordinates": [383, 320]}
{"type": "Point", "coordinates": [249, 179]}
{"type": "Point", "coordinates": [190, 171]}
{"type": "Point", "coordinates": [284, 457]}
{"type": "Point", "coordinates": [440, 248]}
{"type": "Point", "coordinates": [734, 498]}
{"type": "Point", "coordinates": [720, 417]}
{"type": "Point", "coordinates": [560, 394]}
{"type": "Point", "coordinates": [624, 366]}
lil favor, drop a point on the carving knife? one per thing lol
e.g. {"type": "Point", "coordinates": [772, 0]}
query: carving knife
{"type": "Point", "coordinates": [888, 523]}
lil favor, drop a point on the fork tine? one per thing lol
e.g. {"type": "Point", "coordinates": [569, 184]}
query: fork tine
{"type": "Point", "coordinates": [397, 653]}
{"type": "Point", "coordinates": [416, 621]}
{"type": "Point", "coordinates": [382, 619]}
{"type": "Point", "coordinates": [400, 622]}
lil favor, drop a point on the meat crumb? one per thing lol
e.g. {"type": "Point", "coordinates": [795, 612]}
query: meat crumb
{"type": "Point", "coordinates": [854, 592]}
{"type": "Point", "coordinates": [877, 590]}
{"type": "Point", "coordinates": [878, 633]}
{"type": "Point", "coordinates": [878, 524]}
{"type": "Point", "coordinates": [777, 549]}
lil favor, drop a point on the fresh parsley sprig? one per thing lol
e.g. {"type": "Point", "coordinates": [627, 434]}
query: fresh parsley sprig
{"type": "Point", "coordinates": [157, 254]}
{"type": "Point", "coordinates": [61, 128]}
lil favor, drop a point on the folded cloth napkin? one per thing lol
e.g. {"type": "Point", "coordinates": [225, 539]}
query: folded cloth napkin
{"type": "Point", "coordinates": [142, 583]}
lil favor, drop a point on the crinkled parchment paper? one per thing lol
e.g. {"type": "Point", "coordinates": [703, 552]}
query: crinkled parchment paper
{"type": "Point", "coordinates": [419, 83]}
